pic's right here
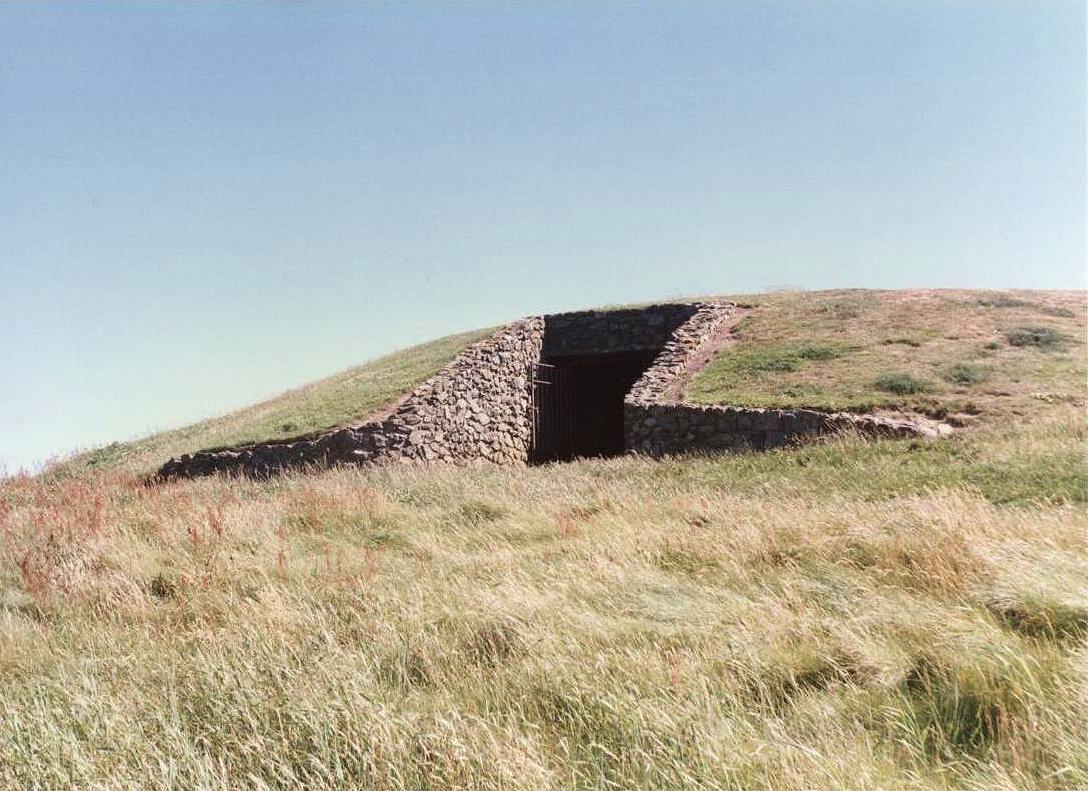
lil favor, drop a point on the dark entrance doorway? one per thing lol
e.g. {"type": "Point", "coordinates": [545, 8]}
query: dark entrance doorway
{"type": "Point", "coordinates": [579, 404]}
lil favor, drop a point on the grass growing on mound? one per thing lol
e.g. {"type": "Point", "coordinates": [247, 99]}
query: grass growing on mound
{"type": "Point", "coordinates": [937, 352]}
{"type": "Point", "coordinates": [324, 404]}
{"type": "Point", "coordinates": [901, 384]}
{"type": "Point", "coordinates": [1046, 338]}
{"type": "Point", "coordinates": [965, 374]}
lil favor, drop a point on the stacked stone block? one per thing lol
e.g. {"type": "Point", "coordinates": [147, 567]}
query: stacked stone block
{"type": "Point", "coordinates": [477, 408]}
{"type": "Point", "coordinates": [605, 331]}
{"type": "Point", "coordinates": [480, 407]}
{"type": "Point", "coordinates": [657, 423]}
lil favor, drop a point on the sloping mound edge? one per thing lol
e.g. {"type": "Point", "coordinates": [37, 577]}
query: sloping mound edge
{"type": "Point", "coordinates": [350, 397]}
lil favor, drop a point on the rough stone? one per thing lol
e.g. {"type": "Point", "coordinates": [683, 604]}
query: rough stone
{"type": "Point", "coordinates": [480, 406]}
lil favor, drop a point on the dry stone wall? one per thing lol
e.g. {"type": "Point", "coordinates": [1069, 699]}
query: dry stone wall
{"type": "Point", "coordinates": [657, 423]}
{"type": "Point", "coordinates": [608, 331]}
{"type": "Point", "coordinates": [478, 407]}
{"type": "Point", "coordinates": [664, 429]}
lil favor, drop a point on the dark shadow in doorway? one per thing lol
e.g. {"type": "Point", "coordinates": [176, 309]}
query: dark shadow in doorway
{"type": "Point", "coordinates": [579, 404]}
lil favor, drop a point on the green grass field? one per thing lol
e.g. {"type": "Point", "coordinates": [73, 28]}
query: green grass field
{"type": "Point", "coordinates": [849, 614]}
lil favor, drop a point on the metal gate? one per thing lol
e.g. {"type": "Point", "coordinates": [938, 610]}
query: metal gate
{"type": "Point", "coordinates": [578, 404]}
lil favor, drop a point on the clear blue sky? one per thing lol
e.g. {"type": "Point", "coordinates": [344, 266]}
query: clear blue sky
{"type": "Point", "coordinates": [202, 204]}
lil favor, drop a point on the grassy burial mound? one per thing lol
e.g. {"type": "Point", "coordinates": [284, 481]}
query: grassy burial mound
{"type": "Point", "coordinates": [344, 398]}
{"type": "Point", "coordinates": [969, 355]}
{"type": "Point", "coordinates": [899, 614]}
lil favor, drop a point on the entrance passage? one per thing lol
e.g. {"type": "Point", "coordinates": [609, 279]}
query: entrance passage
{"type": "Point", "coordinates": [579, 404]}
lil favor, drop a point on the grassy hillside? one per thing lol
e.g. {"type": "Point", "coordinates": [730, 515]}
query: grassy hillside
{"type": "Point", "coordinates": [970, 354]}
{"type": "Point", "coordinates": [335, 401]}
{"type": "Point", "coordinates": [851, 614]}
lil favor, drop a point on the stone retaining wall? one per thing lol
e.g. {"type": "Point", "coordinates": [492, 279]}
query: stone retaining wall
{"type": "Point", "coordinates": [657, 423]}
{"type": "Point", "coordinates": [477, 407]}
{"type": "Point", "coordinates": [606, 331]}
{"type": "Point", "coordinates": [661, 381]}
{"type": "Point", "coordinates": [665, 429]}
{"type": "Point", "coordinates": [480, 406]}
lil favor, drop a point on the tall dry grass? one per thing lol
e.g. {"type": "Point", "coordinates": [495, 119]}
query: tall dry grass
{"type": "Point", "coordinates": [615, 624]}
